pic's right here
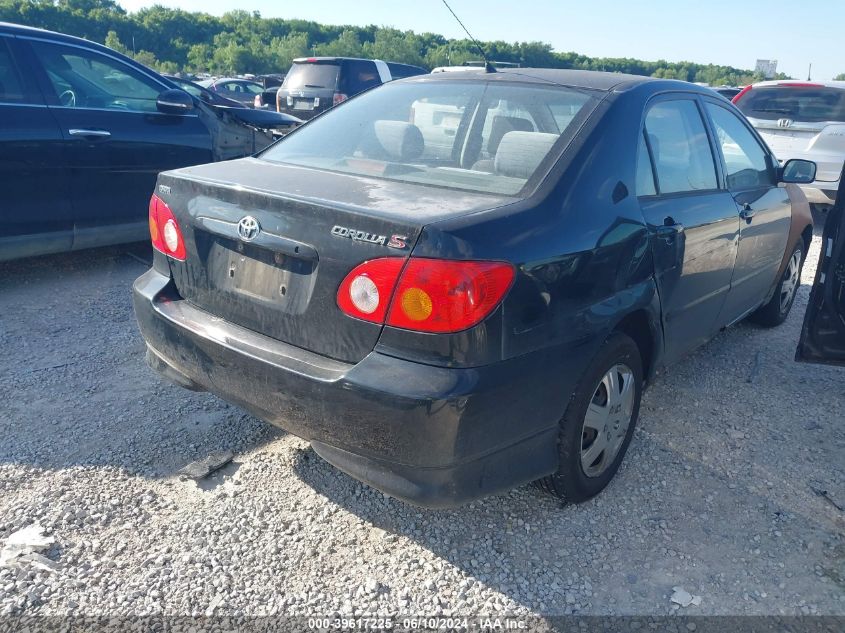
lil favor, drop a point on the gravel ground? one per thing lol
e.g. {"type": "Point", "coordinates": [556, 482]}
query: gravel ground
{"type": "Point", "coordinates": [716, 494]}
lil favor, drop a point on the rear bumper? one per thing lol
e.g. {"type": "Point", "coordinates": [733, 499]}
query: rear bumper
{"type": "Point", "coordinates": [434, 436]}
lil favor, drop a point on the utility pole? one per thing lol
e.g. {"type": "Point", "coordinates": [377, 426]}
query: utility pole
{"type": "Point", "coordinates": [133, 44]}
{"type": "Point", "coordinates": [810, 72]}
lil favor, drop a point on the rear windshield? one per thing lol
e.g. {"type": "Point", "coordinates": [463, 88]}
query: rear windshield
{"type": "Point", "coordinates": [808, 104]}
{"type": "Point", "coordinates": [312, 75]}
{"type": "Point", "coordinates": [489, 138]}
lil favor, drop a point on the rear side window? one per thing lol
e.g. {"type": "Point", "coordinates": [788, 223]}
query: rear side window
{"type": "Point", "coordinates": [680, 148]}
{"type": "Point", "coordinates": [312, 75]}
{"type": "Point", "coordinates": [810, 104]}
{"type": "Point", "coordinates": [400, 71]}
{"type": "Point", "coordinates": [11, 87]}
{"type": "Point", "coordinates": [85, 79]}
{"type": "Point", "coordinates": [745, 160]}
{"type": "Point", "coordinates": [358, 75]}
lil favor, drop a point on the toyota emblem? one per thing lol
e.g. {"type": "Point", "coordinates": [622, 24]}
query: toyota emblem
{"type": "Point", "coordinates": [248, 228]}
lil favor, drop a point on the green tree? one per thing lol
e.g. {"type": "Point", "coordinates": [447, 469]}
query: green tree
{"type": "Point", "coordinates": [243, 41]}
{"type": "Point", "coordinates": [839, 77]}
{"type": "Point", "coordinates": [114, 43]}
{"type": "Point", "coordinates": [346, 45]}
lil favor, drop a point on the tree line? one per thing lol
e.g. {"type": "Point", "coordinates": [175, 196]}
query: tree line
{"type": "Point", "coordinates": [173, 40]}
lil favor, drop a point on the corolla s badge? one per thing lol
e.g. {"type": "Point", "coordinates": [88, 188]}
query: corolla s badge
{"type": "Point", "coordinates": [784, 122]}
{"type": "Point", "coordinates": [394, 241]}
{"type": "Point", "coordinates": [248, 228]}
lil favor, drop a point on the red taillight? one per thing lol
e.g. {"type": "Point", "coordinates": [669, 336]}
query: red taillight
{"type": "Point", "coordinates": [366, 291]}
{"type": "Point", "coordinates": [431, 295]}
{"type": "Point", "coordinates": [800, 84]}
{"type": "Point", "coordinates": [165, 233]}
{"type": "Point", "coordinates": [741, 94]}
{"type": "Point", "coordinates": [338, 97]}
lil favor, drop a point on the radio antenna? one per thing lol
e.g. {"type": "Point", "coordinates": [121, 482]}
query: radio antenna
{"type": "Point", "coordinates": [488, 67]}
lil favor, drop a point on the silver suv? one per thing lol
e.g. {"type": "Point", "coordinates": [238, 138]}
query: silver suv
{"type": "Point", "coordinates": [800, 119]}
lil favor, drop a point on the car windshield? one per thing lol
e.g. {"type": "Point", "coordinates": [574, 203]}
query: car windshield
{"type": "Point", "coordinates": [312, 75]}
{"type": "Point", "coordinates": [484, 137]}
{"type": "Point", "coordinates": [799, 103]}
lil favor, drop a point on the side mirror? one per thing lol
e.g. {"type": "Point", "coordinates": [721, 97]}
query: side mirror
{"type": "Point", "coordinates": [175, 101]}
{"type": "Point", "coordinates": [798, 171]}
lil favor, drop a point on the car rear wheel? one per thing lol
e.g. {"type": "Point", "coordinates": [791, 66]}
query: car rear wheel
{"type": "Point", "coordinates": [598, 424]}
{"type": "Point", "coordinates": [777, 309]}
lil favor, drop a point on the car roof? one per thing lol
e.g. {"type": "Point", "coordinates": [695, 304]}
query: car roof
{"type": "Point", "coordinates": [231, 79]}
{"type": "Point", "coordinates": [563, 77]}
{"type": "Point", "coordinates": [31, 31]}
{"type": "Point", "coordinates": [799, 84]}
{"type": "Point", "coordinates": [312, 59]}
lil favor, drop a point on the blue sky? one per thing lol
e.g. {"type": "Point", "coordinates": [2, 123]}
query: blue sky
{"type": "Point", "coordinates": [730, 32]}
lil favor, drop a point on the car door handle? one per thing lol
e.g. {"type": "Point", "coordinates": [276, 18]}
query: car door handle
{"type": "Point", "coordinates": [89, 133]}
{"type": "Point", "coordinates": [747, 213]}
{"type": "Point", "coordinates": [668, 232]}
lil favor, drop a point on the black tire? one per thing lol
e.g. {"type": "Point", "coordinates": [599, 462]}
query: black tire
{"type": "Point", "coordinates": [570, 483]}
{"type": "Point", "coordinates": [775, 311]}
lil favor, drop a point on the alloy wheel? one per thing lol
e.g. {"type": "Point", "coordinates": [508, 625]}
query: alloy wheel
{"type": "Point", "coordinates": [791, 281]}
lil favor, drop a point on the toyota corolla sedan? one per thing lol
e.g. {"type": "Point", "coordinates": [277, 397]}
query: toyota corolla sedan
{"type": "Point", "coordinates": [457, 283]}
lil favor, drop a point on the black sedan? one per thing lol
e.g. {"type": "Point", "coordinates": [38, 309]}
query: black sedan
{"type": "Point", "coordinates": [84, 133]}
{"type": "Point", "coordinates": [457, 283]}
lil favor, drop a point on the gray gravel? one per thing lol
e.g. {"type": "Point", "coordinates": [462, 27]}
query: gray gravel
{"type": "Point", "coordinates": [716, 494]}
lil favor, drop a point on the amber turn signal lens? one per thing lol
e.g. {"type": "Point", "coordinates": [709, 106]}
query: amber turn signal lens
{"type": "Point", "coordinates": [416, 304]}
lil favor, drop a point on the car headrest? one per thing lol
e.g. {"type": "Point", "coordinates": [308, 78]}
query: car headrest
{"type": "Point", "coordinates": [521, 152]}
{"type": "Point", "coordinates": [502, 125]}
{"type": "Point", "coordinates": [399, 140]}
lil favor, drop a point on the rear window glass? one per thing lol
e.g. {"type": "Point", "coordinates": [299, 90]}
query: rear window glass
{"type": "Point", "coordinates": [490, 138]}
{"type": "Point", "coordinates": [312, 75]}
{"type": "Point", "coordinates": [10, 84]}
{"type": "Point", "coordinates": [796, 103]}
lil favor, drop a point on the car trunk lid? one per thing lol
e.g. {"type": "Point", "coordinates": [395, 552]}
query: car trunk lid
{"type": "Point", "coordinates": [282, 282]}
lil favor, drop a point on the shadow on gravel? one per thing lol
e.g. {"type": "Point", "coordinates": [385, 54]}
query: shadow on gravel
{"type": "Point", "coordinates": [77, 391]}
{"type": "Point", "coordinates": [717, 494]}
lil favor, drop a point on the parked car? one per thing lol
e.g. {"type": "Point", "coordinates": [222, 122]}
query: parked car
{"type": "Point", "coordinates": [728, 92]}
{"type": "Point", "coordinates": [241, 90]}
{"type": "Point", "coordinates": [274, 123]}
{"type": "Point", "coordinates": [800, 119]}
{"type": "Point", "coordinates": [85, 131]}
{"type": "Point", "coordinates": [315, 84]}
{"type": "Point", "coordinates": [267, 98]}
{"type": "Point", "coordinates": [823, 333]}
{"type": "Point", "coordinates": [196, 90]}
{"type": "Point", "coordinates": [443, 326]}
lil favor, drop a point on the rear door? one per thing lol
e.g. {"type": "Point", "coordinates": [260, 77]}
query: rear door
{"type": "Point", "coordinates": [358, 75]}
{"type": "Point", "coordinates": [823, 334]}
{"type": "Point", "coordinates": [693, 222]}
{"type": "Point", "coordinates": [36, 204]}
{"type": "Point", "coordinates": [763, 207]}
{"type": "Point", "coordinates": [114, 139]}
